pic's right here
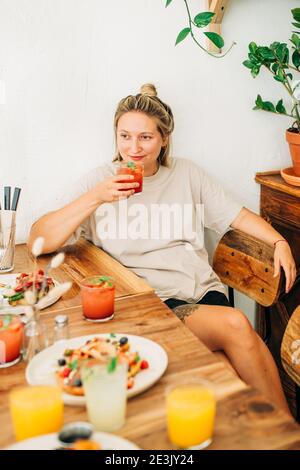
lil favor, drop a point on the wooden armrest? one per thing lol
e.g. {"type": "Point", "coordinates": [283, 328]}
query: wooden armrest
{"type": "Point", "coordinates": [246, 264]}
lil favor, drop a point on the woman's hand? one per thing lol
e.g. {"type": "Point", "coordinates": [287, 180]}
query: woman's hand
{"type": "Point", "coordinates": [283, 258]}
{"type": "Point", "coordinates": [112, 189]}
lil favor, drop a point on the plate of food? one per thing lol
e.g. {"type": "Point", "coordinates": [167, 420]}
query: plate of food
{"type": "Point", "coordinates": [14, 286]}
{"type": "Point", "coordinates": [99, 441]}
{"type": "Point", "coordinates": [60, 363]}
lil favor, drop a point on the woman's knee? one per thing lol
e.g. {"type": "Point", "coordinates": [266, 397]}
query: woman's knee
{"type": "Point", "coordinates": [239, 328]}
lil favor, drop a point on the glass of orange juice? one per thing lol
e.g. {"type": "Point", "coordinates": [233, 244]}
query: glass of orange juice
{"type": "Point", "coordinates": [36, 410]}
{"type": "Point", "coordinates": [98, 298]}
{"type": "Point", "coordinates": [191, 409]}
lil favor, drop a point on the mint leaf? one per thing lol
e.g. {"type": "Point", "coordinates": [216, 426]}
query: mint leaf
{"type": "Point", "coordinates": [111, 366]}
{"type": "Point", "coordinates": [74, 364]}
{"type": "Point", "coordinates": [131, 165]}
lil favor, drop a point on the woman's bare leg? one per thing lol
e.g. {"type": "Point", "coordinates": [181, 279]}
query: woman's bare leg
{"type": "Point", "coordinates": [229, 330]}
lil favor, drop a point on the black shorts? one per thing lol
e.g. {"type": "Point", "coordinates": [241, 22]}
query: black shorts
{"type": "Point", "coordinates": [212, 297]}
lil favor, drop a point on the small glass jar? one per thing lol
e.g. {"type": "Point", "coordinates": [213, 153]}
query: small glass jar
{"type": "Point", "coordinates": [61, 328]}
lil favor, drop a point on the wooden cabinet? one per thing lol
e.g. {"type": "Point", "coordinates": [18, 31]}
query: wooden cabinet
{"type": "Point", "coordinates": [280, 206]}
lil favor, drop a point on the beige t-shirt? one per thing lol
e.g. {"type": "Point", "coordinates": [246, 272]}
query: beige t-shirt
{"type": "Point", "coordinates": [159, 233]}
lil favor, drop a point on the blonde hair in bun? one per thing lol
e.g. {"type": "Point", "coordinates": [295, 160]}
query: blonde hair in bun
{"type": "Point", "coordinates": [148, 89]}
{"type": "Point", "coordinates": [147, 102]}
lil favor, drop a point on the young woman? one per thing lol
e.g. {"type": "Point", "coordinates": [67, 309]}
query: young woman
{"type": "Point", "coordinates": [174, 262]}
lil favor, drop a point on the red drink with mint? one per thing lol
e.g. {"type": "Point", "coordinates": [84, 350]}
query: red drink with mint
{"type": "Point", "coordinates": [136, 170]}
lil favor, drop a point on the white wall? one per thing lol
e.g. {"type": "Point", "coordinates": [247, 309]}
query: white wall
{"type": "Point", "coordinates": [66, 64]}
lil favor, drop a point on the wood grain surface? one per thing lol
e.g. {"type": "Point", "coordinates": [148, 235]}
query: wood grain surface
{"type": "Point", "coordinates": [246, 264]}
{"type": "Point", "coordinates": [82, 260]}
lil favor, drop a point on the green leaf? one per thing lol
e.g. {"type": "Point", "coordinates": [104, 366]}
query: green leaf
{"type": "Point", "coordinates": [282, 53]}
{"type": "Point", "coordinates": [266, 53]}
{"type": "Point", "coordinates": [268, 106]}
{"type": "Point", "coordinates": [289, 75]}
{"type": "Point", "coordinates": [203, 19]}
{"type": "Point", "coordinates": [280, 76]}
{"type": "Point", "coordinates": [255, 71]}
{"type": "Point", "coordinates": [295, 40]}
{"type": "Point", "coordinates": [296, 24]}
{"type": "Point", "coordinates": [182, 35]}
{"type": "Point", "coordinates": [280, 108]}
{"type": "Point", "coordinates": [248, 64]}
{"type": "Point", "coordinates": [296, 14]}
{"type": "Point", "coordinates": [252, 47]}
{"type": "Point", "coordinates": [73, 365]}
{"type": "Point", "coordinates": [97, 281]}
{"type": "Point", "coordinates": [111, 366]}
{"type": "Point", "coordinates": [112, 335]}
{"type": "Point", "coordinates": [274, 67]}
{"type": "Point", "coordinates": [131, 165]}
{"type": "Point", "coordinates": [296, 59]}
{"type": "Point", "coordinates": [259, 102]}
{"type": "Point", "coordinates": [216, 39]}
{"type": "Point", "coordinates": [168, 2]}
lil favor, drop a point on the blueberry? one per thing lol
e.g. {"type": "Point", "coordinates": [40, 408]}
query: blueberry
{"type": "Point", "coordinates": [123, 341]}
{"type": "Point", "coordinates": [77, 383]}
{"type": "Point", "coordinates": [61, 362]}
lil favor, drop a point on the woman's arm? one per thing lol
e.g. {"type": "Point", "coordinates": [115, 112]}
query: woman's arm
{"type": "Point", "coordinates": [254, 225]}
{"type": "Point", "coordinates": [56, 227]}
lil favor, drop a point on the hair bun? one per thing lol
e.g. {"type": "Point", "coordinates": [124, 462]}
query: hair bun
{"type": "Point", "coordinates": [148, 89]}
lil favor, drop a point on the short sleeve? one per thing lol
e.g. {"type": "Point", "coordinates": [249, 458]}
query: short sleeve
{"type": "Point", "coordinates": [81, 187]}
{"type": "Point", "coordinates": [220, 208]}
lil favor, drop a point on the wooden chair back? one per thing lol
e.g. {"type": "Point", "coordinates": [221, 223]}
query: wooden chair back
{"type": "Point", "coordinates": [245, 263]}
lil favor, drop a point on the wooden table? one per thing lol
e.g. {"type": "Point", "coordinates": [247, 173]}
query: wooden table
{"type": "Point", "coordinates": [82, 260]}
{"type": "Point", "coordinates": [280, 206]}
{"type": "Point", "coordinates": [245, 419]}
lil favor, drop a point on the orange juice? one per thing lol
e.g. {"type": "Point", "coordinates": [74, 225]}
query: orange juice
{"type": "Point", "coordinates": [36, 410]}
{"type": "Point", "coordinates": [190, 415]}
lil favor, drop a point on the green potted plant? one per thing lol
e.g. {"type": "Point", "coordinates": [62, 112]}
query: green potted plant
{"type": "Point", "coordinates": [282, 62]}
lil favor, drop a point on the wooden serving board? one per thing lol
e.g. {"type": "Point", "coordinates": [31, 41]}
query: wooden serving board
{"type": "Point", "coordinates": [290, 347]}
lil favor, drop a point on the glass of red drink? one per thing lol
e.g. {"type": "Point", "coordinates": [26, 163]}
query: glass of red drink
{"type": "Point", "coordinates": [11, 339]}
{"type": "Point", "coordinates": [98, 297]}
{"type": "Point", "coordinates": [136, 169]}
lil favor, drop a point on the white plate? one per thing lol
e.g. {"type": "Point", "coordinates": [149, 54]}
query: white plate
{"type": "Point", "coordinates": [50, 442]}
{"type": "Point", "coordinates": [41, 368]}
{"type": "Point", "coordinates": [10, 280]}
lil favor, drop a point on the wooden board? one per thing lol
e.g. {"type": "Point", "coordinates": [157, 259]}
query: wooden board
{"type": "Point", "coordinates": [290, 347]}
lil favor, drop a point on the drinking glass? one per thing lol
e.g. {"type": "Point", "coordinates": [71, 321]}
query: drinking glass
{"type": "Point", "coordinates": [98, 297]}
{"type": "Point", "coordinates": [136, 169]}
{"type": "Point", "coordinates": [11, 338]}
{"type": "Point", "coordinates": [7, 240]}
{"type": "Point", "coordinates": [105, 390]}
{"type": "Point", "coordinates": [191, 409]}
{"type": "Point", "coordinates": [36, 410]}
